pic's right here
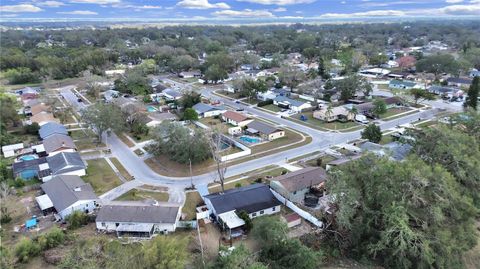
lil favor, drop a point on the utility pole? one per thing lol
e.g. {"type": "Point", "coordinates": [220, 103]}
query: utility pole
{"type": "Point", "coordinates": [191, 174]}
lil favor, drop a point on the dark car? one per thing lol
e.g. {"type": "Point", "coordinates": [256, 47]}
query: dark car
{"type": "Point", "coordinates": [79, 100]}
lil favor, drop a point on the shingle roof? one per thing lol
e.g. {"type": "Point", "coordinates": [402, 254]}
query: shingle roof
{"type": "Point", "coordinates": [58, 141]}
{"type": "Point", "coordinates": [28, 165]}
{"type": "Point", "coordinates": [262, 127]}
{"type": "Point", "coordinates": [65, 162]}
{"type": "Point", "coordinates": [202, 108]}
{"type": "Point", "coordinates": [250, 198]}
{"type": "Point", "coordinates": [235, 116]}
{"type": "Point", "coordinates": [460, 80]}
{"type": "Point", "coordinates": [292, 102]}
{"type": "Point", "coordinates": [138, 213]}
{"type": "Point", "coordinates": [303, 178]}
{"type": "Point", "coordinates": [65, 190]}
{"type": "Point", "coordinates": [52, 128]}
{"type": "Point", "coordinates": [42, 117]}
{"type": "Point", "coordinates": [35, 109]}
{"type": "Point", "coordinates": [405, 83]}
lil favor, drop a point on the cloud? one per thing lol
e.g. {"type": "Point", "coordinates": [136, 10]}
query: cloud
{"type": "Point", "coordinates": [79, 12]}
{"type": "Point", "coordinates": [50, 4]}
{"type": "Point", "coordinates": [280, 9]}
{"type": "Point", "coordinates": [453, 1]}
{"type": "Point", "coordinates": [137, 7]}
{"type": "Point", "coordinates": [23, 8]}
{"type": "Point", "coordinates": [99, 2]}
{"type": "Point", "coordinates": [279, 2]}
{"type": "Point", "coordinates": [372, 13]}
{"type": "Point", "coordinates": [343, 2]}
{"type": "Point", "coordinates": [246, 13]}
{"type": "Point", "coordinates": [461, 10]}
{"type": "Point", "coordinates": [201, 4]}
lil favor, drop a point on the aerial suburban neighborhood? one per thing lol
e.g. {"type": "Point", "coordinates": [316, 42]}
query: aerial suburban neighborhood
{"type": "Point", "coordinates": [282, 144]}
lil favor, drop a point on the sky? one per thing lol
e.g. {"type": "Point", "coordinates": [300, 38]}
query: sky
{"type": "Point", "coordinates": [184, 10]}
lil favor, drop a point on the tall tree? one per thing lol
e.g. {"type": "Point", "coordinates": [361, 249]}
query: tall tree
{"type": "Point", "coordinates": [102, 117]}
{"type": "Point", "coordinates": [290, 76]}
{"type": "Point", "coordinates": [164, 252]}
{"type": "Point", "coordinates": [373, 133]}
{"type": "Point", "coordinates": [473, 94]}
{"type": "Point", "coordinates": [421, 94]}
{"type": "Point", "coordinates": [379, 107]}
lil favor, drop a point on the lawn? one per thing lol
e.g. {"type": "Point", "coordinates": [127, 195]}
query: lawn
{"type": "Point", "coordinates": [386, 139]}
{"type": "Point", "coordinates": [192, 201]}
{"type": "Point", "coordinates": [394, 111]}
{"type": "Point", "coordinates": [88, 143]}
{"type": "Point", "coordinates": [325, 159]}
{"type": "Point", "coordinates": [236, 95]}
{"type": "Point", "coordinates": [216, 124]}
{"type": "Point", "coordinates": [125, 140]}
{"type": "Point", "coordinates": [120, 168]}
{"type": "Point", "coordinates": [164, 166]}
{"type": "Point", "coordinates": [271, 107]}
{"type": "Point", "coordinates": [101, 176]}
{"type": "Point", "coordinates": [81, 134]}
{"type": "Point", "coordinates": [140, 195]}
{"type": "Point", "coordinates": [289, 138]}
{"type": "Point", "coordinates": [318, 124]}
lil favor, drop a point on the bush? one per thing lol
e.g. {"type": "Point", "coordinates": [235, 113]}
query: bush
{"type": "Point", "coordinates": [238, 185]}
{"type": "Point", "coordinates": [319, 162]}
{"type": "Point", "coordinates": [32, 129]}
{"type": "Point", "coordinates": [76, 220]}
{"type": "Point", "coordinates": [18, 183]}
{"type": "Point", "coordinates": [265, 103]}
{"type": "Point", "coordinates": [26, 249]}
{"type": "Point", "coordinates": [52, 239]}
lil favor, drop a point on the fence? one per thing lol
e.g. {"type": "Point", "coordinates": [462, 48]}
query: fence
{"type": "Point", "coordinates": [304, 214]}
{"type": "Point", "coordinates": [187, 224]}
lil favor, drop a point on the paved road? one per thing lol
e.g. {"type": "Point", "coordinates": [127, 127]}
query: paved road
{"type": "Point", "coordinates": [70, 97]}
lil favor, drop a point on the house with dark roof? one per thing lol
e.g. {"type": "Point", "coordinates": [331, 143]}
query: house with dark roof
{"type": "Point", "coordinates": [235, 118]}
{"type": "Point", "coordinates": [256, 200]}
{"type": "Point", "coordinates": [138, 219]}
{"type": "Point", "coordinates": [205, 110]}
{"type": "Point", "coordinates": [292, 104]}
{"type": "Point", "coordinates": [294, 185]}
{"type": "Point", "coordinates": [402, 84]}
{"type": "Point", "coordinates": [265, 131]}
{"type": "Point", "coordinates": [441, 90]}
{"type": "Point", "coordinates": [171, 94]}
{"type": "Point", "coordinates": [65, 163]}
{"type": "Point", "coordinates": [30, 169]}
{"type": "Point", "coordinates": [52, 128]}
{"type": "Point", "coordinates": [57, 143]}
{"type": "Point", "coordinates": [459, 82]}
{"type": "Point", "coordinates": [65, 194]}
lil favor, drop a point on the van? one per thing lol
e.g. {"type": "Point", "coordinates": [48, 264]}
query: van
{"type": "Point", "coordinates": [361, 119]}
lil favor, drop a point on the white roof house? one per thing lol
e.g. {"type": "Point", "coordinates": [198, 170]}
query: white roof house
{"type": "Point", "coordinates": [9, 150]}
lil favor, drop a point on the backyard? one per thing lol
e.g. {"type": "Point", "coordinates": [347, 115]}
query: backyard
{"type": "Point", "coordinates": [216, 124]}
{"type": "Point", "coordinates": [192, 200]}
{"type": "Point", "coordinates": [101, 176]}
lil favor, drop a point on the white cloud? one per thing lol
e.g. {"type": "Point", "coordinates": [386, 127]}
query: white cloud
{"type": "Point", "coordinates": [372, 13]}
{"type": "Point", "coordinates": [79, 12]}
{"type": "Point", "coordinates": [50, 4]}
{"type": "Point", "coordinates": [20, 8]}
{"type": "Point", "coordinates": [279, 2]}
{"type": "Point", "coordinates": [280, 9]}
{"type": "Point", "coordinates": [461, 10]}
{"type": "Point", "coordinates": [246, 13]}
{"type": "Point", "coordinates": [453, 1]}
{"type": "Point", "coordinates": [99, 2]}
{"type": "Point", "coordinates": [343, 2]}
{"type": "Point", "coordinates": [202, 4]}
{"type": "Point", "coordinates": [137, 7]}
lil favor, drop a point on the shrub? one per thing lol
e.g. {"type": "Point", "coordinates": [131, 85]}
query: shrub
{"type": "Point", "coordinates": [265, 103]}
{"type": "Point", "coordinates": [238, 185]}
{"type": "Point", "coordinates": [319, 162]}
{"type": "Point", "coordinates": [52, 239]}
{"type": "Point", "coordinates": [32, 129]}
{"type": "Point", "coordinates": [76, 220]}
{"type": "Point", "coordinates": [18, 183]}
{"type": "Point", "coordinates": [26, 249]}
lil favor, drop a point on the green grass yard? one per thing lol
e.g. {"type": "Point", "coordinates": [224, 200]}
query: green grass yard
{"type": "Point", "coordinates": [192, 200]}
{"type": "Point", "coordinates": [140, 195]}
{"type": "Point", "coordinates": [318, 124]}
{"type": "Point", "coordinates": [101, 176]}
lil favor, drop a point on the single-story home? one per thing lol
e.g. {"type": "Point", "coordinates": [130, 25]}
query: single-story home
{"type": "Point", "coordinates": [402, 84]}
{"type": "Point", "coordinates": [268, 95]}
{"type": "Point", "coordinates": [190, 74]}
{"type": "Point", "coordinates": [459, 82]}
{"type": "Point", "coordinates": [332, 114]}
{"type": "Point", "coordinates": [43, 118]}
{"type": "Point", "coordinates": [28, 93]}
{"type": "Point", "coordinates": [265, 131]}
{"type": "Point", "coordinates": [292, 104]}
{"type": "Point", "coordinates": [137, 219]}
{"type": "Point", "coordinates": [235, 118]}
{"type": "Point", "coordinates": [294, 185]}
{"type": "Point", "coordinates": [256, 200]}
{"type": "Point", "coordinates": [65, 163]}
{"type": "Point", "coordinates": [38, 108]}
{"type": "Point", "coordinates": [67, 194]}
{"type": "Point", "coordinates": [29, 169]}
{"type": "Point", "coordinates": [109, 95]}
{"type": "Point", "coordinates": [52, 128]}
{"type": "Point", "coordinates": [441, 90]}
{"type": "Point", "coordinates": [374, 72]}
{"type": "Point", "coordinates": [10, 150]}
{"type": "Point", "coordinates": [171, 94]}
{"type": "Point", "coordinates": [342, 161]}
{"type": "Point", "coordinates": [393, 101]}
{"type": "Point", "coordinates": [57, 143]}
{"type": "Point", "coordinates": [206, 110]}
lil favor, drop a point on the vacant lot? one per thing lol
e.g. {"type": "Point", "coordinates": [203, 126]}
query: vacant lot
{"type": "Point", "coordinates": [318, 124]}
{"type": "Point", "coordinates": [139, 195]}
{"type": "Point", "coordinates": [101, 176]}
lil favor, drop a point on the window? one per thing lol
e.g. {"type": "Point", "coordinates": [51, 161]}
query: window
{"type": "Point", "coordinates": [261, 212]}
{"type": "Point", "coordinates": [295, 192]}
{"type": "Point", "coordinates": [273, 208]}
{"type": "Point", "coordinates": [254, 214]}
{"type": "Point", "coordinates": [103, 224]}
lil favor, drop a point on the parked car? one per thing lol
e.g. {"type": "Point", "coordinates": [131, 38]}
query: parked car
{"type": "Point", "coordinates": [361, 119]}
{"type": "Point", "coordinates": [79, 100]}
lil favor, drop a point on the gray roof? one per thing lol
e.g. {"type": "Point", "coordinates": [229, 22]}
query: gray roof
{"type": "Point", "coordinates": [303, 178]}
{"type": "Point", "coordinates": [398, 151]}
{"type": "Point", "coordinates": [58, 141]}
{"type": "Point", "coordinates": [441, 89]}
{"type": "Point", "coordinates": [405, 83]}
{"type": "Point", "coordinates": [65, 190]}
{"type": "Point", "coordinates": [65, 162]}
{"type": "Point", "coordinates": [51, 128]}
{"type": "Point", "coordinates": [262, 127]}
{"type": "Point", "coordinates": [202, 108]}
{"type": "Point", "coordinates": [460, 80]}
{"type": "Point", "coordinates": [251, 198]}
{"type": "Point", "coordinates": [18, 167]}
{"type": "Point", "coordinates": [292, 102]}
{"type": "Point", "coordinates": [171, 92]}
{"type": "Point", "coordinates": [138, 213]}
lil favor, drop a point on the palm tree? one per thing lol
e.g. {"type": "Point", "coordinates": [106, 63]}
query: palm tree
{"type": "Point", "coordinates": [352, 112]}
{"type": "Point", "coordinates": [329, 111]}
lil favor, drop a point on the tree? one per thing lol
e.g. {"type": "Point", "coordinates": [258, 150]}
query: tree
{"type": "Point", "coordinates": [290, 76]}
{"type": "Point", "coordinates": [215, 73]}
{"type": "Point", "coordinates": [133, 82]}
{"type": "Point", "coordinates": [248, 221]}
{"type": "Point", "coordinates": [190, 98]}
{"type": "Point", "coordinates": [348, 87]}
{"type": "Point", "coordinates": [378, 59]}
{"type": "Point", "coordinates": [250, 88]}
{"type": "Point", "coordinates": [26, 249]}
{"type": "Point", "coordinates": [21, 75]}
{"type": "Point", "coordinates": [373, 133]}
{"type": "Point", "coordinates": [406, 62]}
{"type": "Point", "coordinates": [216, 143]}
{"type": "Point", "coordinates": [76, 220]}
{"type": "Point", "coordinates": [268, 230]}
{"type": "Point", "coordinates": [102, 117]}
{"type": "Point", "coordinates": [32, 129]}
{"type": "Point", "coordinates": [8, 110]}
{"type": "Point", "coordinates": [437, 64]}
{"type": "Point", "coordinates": [420, 94]}
{"type": "Point", "coordinates": [379, 107]}
{"type": "Point", "coordinates": [322, 69]}
{"type": "Point", "coordinates": [182, 63]}
{"type": "Point", "coordinates": [473, 94]}
{"type": "Point", "coordinates": [239, 258]}
{"type": "Point", "coordinates": [164, 252]}
{"type": "Point", "coordinates": [190, 114]}
{"type": "Point", "coordinates": [133, 115]}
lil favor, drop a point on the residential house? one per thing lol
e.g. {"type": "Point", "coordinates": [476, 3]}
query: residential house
{"type": "Point", "coordinates": [265, 131]}
{"type": "Point", "coordinates": [28, 93]}
{"type": "Point", "coordinates": [441, 90]}
{"type": "Point", "coordinates": [29, 169]}
{"type": "Point", "coordinates": [65, 163]}
{"type": "Point", "coordinates": [137, 219]}
{"type": "Point", "coordinates": [43, 118]}
{"type": "Point", "coordinates": [171, 95]}
{"type": "Point", "coordinates": [206, 110]}
{"type": "Point", "coordinates": [191, 74]}
{"type": "Point", "coordinates": [459, 82]}
{"type": "Point", "coordinates": [294, 185]}
{"type": "Point", "coordinates": [38, 108]}
{"type": "Point", "coordinates": [65, 194]}
{"type": "Point", "coordinates": [52, 128]}
{"type": "Point", "coordinates": [374, 72]}
{"type": "Point", "coordinates": [402, 84]}
{"type": "Point", "coordinates": [474, 73]}
{"type": "Point", "coordinates": [109, 95]}
{"type": "Point", "coordinates": [393, 101]}
{"type": "Point", "coordinates": [235, 118]}
{"type": "Point", "coordinates": [268, 95]}
{"type": "Point", "coordinates": [11, 150]}
{"type": "Point", "coordinates": [332, 114]}
{"type": "Point", "coordinates": [292, 104]}
{"type": "Point", "coordinates": [256, 200]}
{"type": "Point", "coordinates": [57, 143]}
{"type": "Point", "coordinates": [396, 151]}
{"type": "Point", "coordinates": [342, 161]}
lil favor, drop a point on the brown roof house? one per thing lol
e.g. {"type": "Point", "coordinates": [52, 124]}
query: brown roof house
{"type": "Point", "coordinates": [294, 185]}
{"type": "Point", "coordinates": [38, 108]}
{"type": "Point", "coordinates": [43, 118]}
{"type": "Point", "coordinates": [58, 143]}
{"type": "Point", "coordinates": [235, 118]}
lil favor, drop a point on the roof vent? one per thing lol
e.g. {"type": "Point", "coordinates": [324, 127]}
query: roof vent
{"type": "Point", "coordinates": [77, 189]}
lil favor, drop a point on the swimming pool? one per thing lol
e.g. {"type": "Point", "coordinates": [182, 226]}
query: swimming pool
{"type": "Point", "coordinates": [151, 109]}
{"type": "Point", "coordinates": [28, 157]}
{"type": "Point", "coordinates": [249, 139]}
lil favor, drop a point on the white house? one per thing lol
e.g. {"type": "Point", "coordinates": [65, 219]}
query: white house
{"type": "Point", "coordinates": [268, 95]}
{"type": "Point", "coordinates": [9, 150]}
{"type": "Point", "coordinates": [65, 194]}
{"type": "Point", "coordinates": [206, 110]}
{"type": "Point", "coordinates": [137, 219]}
{"type": "Point", "coordinates": [64, 163]}
{"type": "Point", "coordinates": [235, 118]}
{"type": "Point", "coordinates": [57, 143]}
{"type": "Point", "coordinates": [172, 95]}
{"type": "Point", "coordinates": [292, 104]}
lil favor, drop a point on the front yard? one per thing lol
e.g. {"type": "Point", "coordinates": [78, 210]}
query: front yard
{"type": "Point", "coordinates": [101, 176]}
{"type": "Point", "coordinates": [271, 107]}
{"type": "Point", "coordinates": [391, 112]}
{"type": "Point", "coordinates": [318, 124]}
{"type": "Point", "coordinates": [140, 195]}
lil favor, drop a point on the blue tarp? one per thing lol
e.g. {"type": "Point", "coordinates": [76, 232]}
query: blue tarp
{"type": "Point", "coordinates": [31, 223]}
